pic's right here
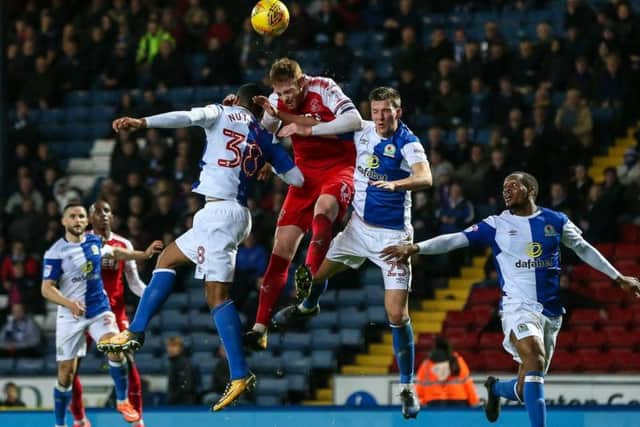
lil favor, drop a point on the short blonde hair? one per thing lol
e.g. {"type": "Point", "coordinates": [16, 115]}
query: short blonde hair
{"type": "Point", "coordinates": [285, 69]}
{"type": "Point", "coordinates": [175, 340]}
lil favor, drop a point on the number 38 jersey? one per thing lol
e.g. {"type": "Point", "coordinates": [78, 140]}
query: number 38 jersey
{"type": "Point", "coordinates": [237, 147]}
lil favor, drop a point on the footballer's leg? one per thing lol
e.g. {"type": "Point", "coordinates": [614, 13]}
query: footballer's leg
{"type": "Point", "coordinates": [119, 371]}
{"type": "Point", "coordinates": [287, 240]}
{"type": "Point", "coordinates": [309, 306]}
{"type": "Point", "coordinates": [531, 387]}
{"type": "Point", "coordinates": [227, 321]}
{"type": "Point", "coordinates": [396, 303]}
{"type": "Point", "coordinates": [154, 296]}
{"type": "Point", "coordinates": [325, 213]}
{"type": "Point", "coordinates": [62, 390]}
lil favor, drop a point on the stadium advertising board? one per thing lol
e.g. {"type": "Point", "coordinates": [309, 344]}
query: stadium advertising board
{"type": "Point", "coordinates": [558, 389]}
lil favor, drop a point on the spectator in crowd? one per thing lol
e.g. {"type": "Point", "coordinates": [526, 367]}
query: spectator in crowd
{"type": "Point", "coordinates": [572, 298]}
{"type": "Point", "coordinates": [504, 101]}
{"type": "Point", "coordinates": [404, 16]}
{"type": "Point", "coordinates": [408, 51]}
{"type": "Point", "coordinates": [20, 336]}
{"type": "Point", "coordinates": [478, 110]}
{"type": "Point", "coordinates": [167, 70]}
{"type": "Point", "coordinates": [12, 396]}
{"type": "Point", "coordinates": [497, 172]}
{"type": "Point", "coordinates": [582, 79]}
{"type": "Point", "coordinates": [196, 25]}
{"type": "Point", "coordinates": [629, 170]}
{"type": "Point", "coordinates": [455, 213]}
{"type": "Point", "coordinates": [339, 58]}
{"type": "Point", "coordinates": [222, 63]}
{"type": "Point", "coordinates": [558, 199]}
{"type": "Point", "coordinates": [444, 378]}
{"type": "Point", "coordinates": [181, 384]}
{"type": "Point", "coordinates": [149, 44]}
{"type": "Point", "coordinates": [447, 106]}
{"type": "Point", "coordinates": [40, 88]}
{"type": "Point", "coordinates": [119, 72]}
{"type": "Point", "coordinates": [472, 174]}
{"type": "Point", "coordinates": [27, 224]}
{"type": "Point", "coordinates": [574, 117]}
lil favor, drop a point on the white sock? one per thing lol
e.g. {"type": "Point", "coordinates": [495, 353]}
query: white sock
{"type": "Point", "coordinates": [259, 327]}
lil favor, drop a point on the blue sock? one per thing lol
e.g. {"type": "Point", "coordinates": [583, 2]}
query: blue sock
{"type": "Point", "coordinates": [506, 389]}
{"type": "Point", "coordinates": [153, 297]}
{"type": "Point", "coordinates": [317, 289]}
{"type": "Point", "coordinates": [404, 350]}
{"type": "Point", "coordinates": [534, 398]}
{"type": "Point", "coordinates": [227, 321]}
{"type": "Point", "coordinates": [61, 399]}
{"type": "Point", "coordinates": [119, 373]}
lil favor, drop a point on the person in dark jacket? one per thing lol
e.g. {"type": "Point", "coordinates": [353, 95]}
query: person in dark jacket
{"type": "Point", "coordinates": [181, 388]}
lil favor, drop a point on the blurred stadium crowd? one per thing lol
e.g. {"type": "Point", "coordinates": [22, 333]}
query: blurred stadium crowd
{"type": "Point", "coordinates": [489, 87]}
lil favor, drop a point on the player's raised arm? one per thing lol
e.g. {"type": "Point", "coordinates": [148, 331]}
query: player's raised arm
{"type": "Point", "coordinates": [420, 178]}
{"type": "Point", "coordinates": [201, 116]}
{"type": "Point", "coordinates": [572, 238]}
{"type": "Point", "coordinates": [130, 254]}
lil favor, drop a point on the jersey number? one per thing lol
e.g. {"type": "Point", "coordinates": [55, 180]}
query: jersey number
{"type": "Point", "coordinates": [233, 145]}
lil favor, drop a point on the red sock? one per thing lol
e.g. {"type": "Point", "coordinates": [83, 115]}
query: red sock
{"type": "Point", "coordinates": [135, 387]}
{"type": "Point", "coordinates": [77, 406]}
{"type": "Point", "coordinates": [322, 232]}
{"type": "Point", "coordinates": [274, 280]}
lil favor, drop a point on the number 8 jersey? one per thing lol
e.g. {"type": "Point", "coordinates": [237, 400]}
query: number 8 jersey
{"type": "Point", "coordinates": [236, 148]}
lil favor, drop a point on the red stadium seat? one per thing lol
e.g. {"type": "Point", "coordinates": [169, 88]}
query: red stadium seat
{"type": "Point", "coordinates": [459, 319]}
{"type": "Point", "coordinates": [627, 251]}
{"type": "Point", "coordinates": [630, 233]}
{"type": "Point", "coordinates": [585, 317]}
{"type": "Point", "coordinates": [619, 317]}
{"type": "Point", "coordinates": [590, 340]}
{"type": "Point", "coordinates": [565, 362]}
{"type": "Point", "coordinates": [566, 340]}
{"type": "Point", "coordinates": [425, 342]}
{"type": "Point", "coordinates": [499, 361]}
{"type": "Point", "coordinates": [474, 360]}
{"type": "Point", "coordinates": [484, 296]}
{"type": "Point", "coordinates": [596, 362]}
{"type": "Point", "coordinates": [606, 249]}
{"type": "Point", "coordinates": [595, 285]}
{"type": "Point", "coordinates": [627, 361]}
{"type": "Point", "coordinates": [466, 342]}
{"type": "Point", "coordinates": [613, 295]}
{"type": "Point", "coordinates": [583, 272]}
{"type": "Point", "coordinates": [482, 315]}
{"type": "Point", "coordinates": [491, 341]}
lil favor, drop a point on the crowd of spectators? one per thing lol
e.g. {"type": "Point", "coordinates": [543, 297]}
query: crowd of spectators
{"type": "Point", "coordinates": [483, 103]}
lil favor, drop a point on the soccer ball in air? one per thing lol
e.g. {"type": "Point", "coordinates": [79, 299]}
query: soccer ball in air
{"type": "Point", "coordinates": [270, 17]}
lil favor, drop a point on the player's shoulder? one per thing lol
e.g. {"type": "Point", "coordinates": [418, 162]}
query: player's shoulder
{"type": "Point", "coordinates": [115, 238]}
{"type": "Point", "coordinates": [56, 250]}
{"type": "Point", "coordinates": [368, 127]}
{"type": "Point", "coordinates": [319, 82]}
{"type": "Point", "coordinates": [92, 238]}
{"type": "Point", "coordinates": [554, 217]}
{"type": "Point", "coordinates": [406, 135]}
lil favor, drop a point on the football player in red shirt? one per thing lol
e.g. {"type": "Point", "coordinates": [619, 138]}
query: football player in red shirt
{"type": "Point", "coordinates": [327, 167]}
{"type": "Point", "coordinates": [101, 218]}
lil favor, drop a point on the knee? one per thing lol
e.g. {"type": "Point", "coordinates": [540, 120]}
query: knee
{"type": "Point", "coordinates": [216, 295]}
{"type": "Point", "coordinates": [533, 361]}
{"type": "Point", "coordinates": [327, 206]}
{"type": "Point", "coordinates": [284, 248]}
{"type": "Point", "coordinates": [65, 376]}
{"type": "Point", "coordinates": [398, 317]}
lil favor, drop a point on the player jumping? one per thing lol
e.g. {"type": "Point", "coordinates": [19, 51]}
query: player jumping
{"type": "Point", "coordinates": [320, 106]}
{"type": "Point", "coordinates": [74, 264]}
{"type": "Point", "coordinates": [237, 147]}
{"type": "Point", "coordinates": [525, 241]}
{"type": "Point", "coordinates": [100, 217]}
{"type": "Point", "coordinates": [390, 163]}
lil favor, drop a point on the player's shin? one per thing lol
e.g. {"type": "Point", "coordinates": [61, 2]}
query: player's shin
{"type": "Point", "coordinates": [275, 278]}
{"type": "Point", "coordinates": [135, 387]}
{"type": "Point", "coordinates": [118, 371]}
{"type": "Point", "coordinates": [534, 398]}
{"type": "Point", "coordinates": [227, 321]}
{"type": "Point", "coordinates": [77, 406]}
{"type": "Point", "coordinates": [404, 350]}
{"type": "Point", "coordinates": [61, 398]}
{"type": "Point", "coordinates": [317, 289]}
{"type": "Point", "coordinates": [321, 233]}
{"type": "Point", "coordinates": [153, 297]}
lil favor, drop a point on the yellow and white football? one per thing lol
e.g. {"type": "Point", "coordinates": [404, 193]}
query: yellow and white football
{"type": "Point", "coordinates": [270, 17]}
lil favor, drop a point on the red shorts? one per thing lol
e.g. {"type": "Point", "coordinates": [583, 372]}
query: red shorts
{"type": "Point", "coordinates": [299, 204]}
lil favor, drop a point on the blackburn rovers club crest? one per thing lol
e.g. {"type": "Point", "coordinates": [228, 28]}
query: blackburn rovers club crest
{"type": "Point", "coordinates": [549, 231]}
{"type": "Point", "coordinates": [95, 250]}
{"type": "Point", "coordinates": [389, 150]}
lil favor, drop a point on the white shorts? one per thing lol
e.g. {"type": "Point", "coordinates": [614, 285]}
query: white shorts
{"type": "Point", "coordinates": [70, 333]}
{"type": "Point", "coordinates": [212, 243]}
{"type": "Point", "coordinates": [360, 241]}
{"type": "Point", "coordinates": [526, 320]}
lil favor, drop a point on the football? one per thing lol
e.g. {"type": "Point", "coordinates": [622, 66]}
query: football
{"type": "Point", "coordinates": [270, 17]}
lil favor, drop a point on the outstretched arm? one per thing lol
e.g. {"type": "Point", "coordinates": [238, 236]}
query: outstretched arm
{"type": "Point", "coordinates": [349, 121]}
{"type": "Point", "coordinates": [420, 178]}
{"type": "Point", "coordinates": [130, 254]}
{"type": "Point", "coordinates": [204, 117]}
{"type": "Point", "coordinates": [572, 238]}
{"type": "Point", "coordinates": [437, 245]}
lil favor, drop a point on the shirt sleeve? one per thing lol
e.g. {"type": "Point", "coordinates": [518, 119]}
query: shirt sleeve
{"type": "Point", "coordinates": [106, 250]}
{"type": "Point", "coordinates": [268, 121]}
{"type": "Point", "coordinates": [201, 116]}
{"type": "Point", "coordinates": [572, 238]}
{"type": "Point", "coordinates": [51, 267]}
{"type": "Point", "coordinates": [136, 284]}
{"type": "Point", "coordinates": [481, 234]}
{"type": "Point", "coordinates": [413, 152]}
{"type": "Point", "coordinates": [335, 100]}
